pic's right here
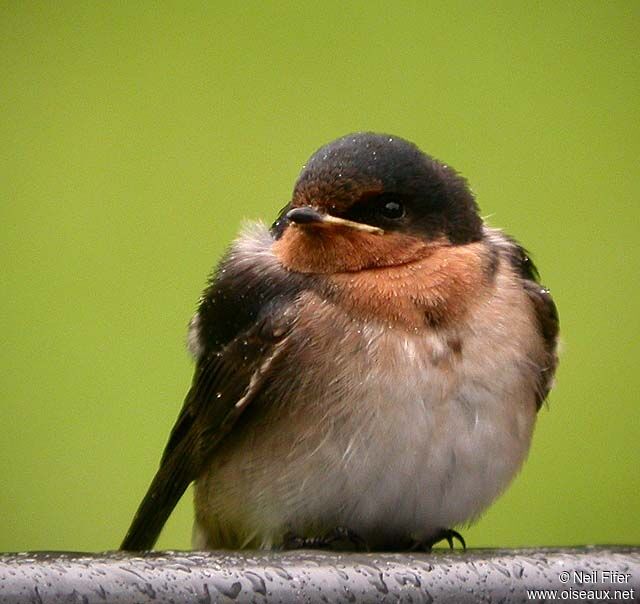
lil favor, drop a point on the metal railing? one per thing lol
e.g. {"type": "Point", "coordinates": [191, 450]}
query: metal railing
{"type": "Point", "coordinates": [309, 576]}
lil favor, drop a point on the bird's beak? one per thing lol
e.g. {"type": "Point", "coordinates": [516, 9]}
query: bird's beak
{"type": "Point", "coordinates": [306, 215]}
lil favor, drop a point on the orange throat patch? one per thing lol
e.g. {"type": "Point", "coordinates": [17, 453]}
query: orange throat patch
{"type": "Point", "coordinates": [336, 249]}
{"type": "Point", "coordinates": [392, 278]}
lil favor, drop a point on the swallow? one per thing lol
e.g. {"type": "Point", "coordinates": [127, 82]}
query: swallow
{"type": "Point", "coordinates": [368, 369]}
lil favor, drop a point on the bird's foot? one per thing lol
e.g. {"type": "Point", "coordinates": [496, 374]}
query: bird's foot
{"type": "Point", "coordinates": [340, 538]}
{"type": "Point", "coordinates": [443, 534]}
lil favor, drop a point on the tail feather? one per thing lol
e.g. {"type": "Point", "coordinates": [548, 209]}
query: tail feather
{"type": "Point", "coordinates": [154, 510]}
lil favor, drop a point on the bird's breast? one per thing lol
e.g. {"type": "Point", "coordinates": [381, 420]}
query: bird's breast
{"type": "Point", "coordinates": [383, 423]}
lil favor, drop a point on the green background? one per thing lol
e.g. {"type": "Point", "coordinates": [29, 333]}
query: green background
{"type": "Point", "coordinates": [136, 137]}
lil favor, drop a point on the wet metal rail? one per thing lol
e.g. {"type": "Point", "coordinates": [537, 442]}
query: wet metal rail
{"type": "Point", "coordinates": [473, 576]}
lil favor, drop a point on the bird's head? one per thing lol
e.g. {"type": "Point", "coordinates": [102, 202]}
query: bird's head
{"type": "Point", "coordinates": [371, 200]}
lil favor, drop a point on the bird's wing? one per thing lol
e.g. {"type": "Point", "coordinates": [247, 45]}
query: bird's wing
{"type": "Point", "coordinates": [224, 384]}
{"type": "Point", "coordinates": [545, 311]}
{"type": "Point", "coordinates": [548, 325]}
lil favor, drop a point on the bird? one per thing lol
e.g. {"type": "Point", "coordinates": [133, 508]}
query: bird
{"type": "Point", "coordinates": [368, 369]}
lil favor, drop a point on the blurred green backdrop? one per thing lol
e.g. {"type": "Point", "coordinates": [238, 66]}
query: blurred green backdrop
{"type": "Point", "coordinates": [138, 135]}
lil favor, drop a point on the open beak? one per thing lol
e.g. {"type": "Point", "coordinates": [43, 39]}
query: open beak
{"type": "Point", "coordinates": [306, 215]}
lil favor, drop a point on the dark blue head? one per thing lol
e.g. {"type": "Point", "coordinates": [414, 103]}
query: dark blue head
{"type": "Point", "coordinates": [387, 182]}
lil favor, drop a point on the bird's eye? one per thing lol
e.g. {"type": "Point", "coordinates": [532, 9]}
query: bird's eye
{"type": "Point", "coordinates": [392, 210]}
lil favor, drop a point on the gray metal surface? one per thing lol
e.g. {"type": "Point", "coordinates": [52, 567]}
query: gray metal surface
{"type": "Point", "coordinates": [461, 577]}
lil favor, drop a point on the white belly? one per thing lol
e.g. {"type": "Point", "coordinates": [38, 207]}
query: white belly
{"type": "Point", "coordinates": [438, 442]}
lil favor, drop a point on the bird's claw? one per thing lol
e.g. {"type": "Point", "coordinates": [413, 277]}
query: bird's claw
{"type": "Point", "coordinates": [447, 535]}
